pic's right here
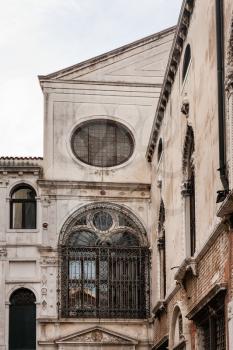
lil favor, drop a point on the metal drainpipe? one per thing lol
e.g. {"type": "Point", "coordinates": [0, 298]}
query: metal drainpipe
{"type": "Point", "coordinates": [221, 93]}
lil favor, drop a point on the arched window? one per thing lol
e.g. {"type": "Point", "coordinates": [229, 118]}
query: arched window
{"type": "Point", "coordinates": [160, 149]}
{"type": "Point", "coordinates": [186, 61]}
{"type": "Point", "coordinates": [102, 143]}
{"type": "Point", "coordinates": [23, 207]}
{"type": "Point", "coordinates": [162, 250]}
{"type": "Point", "coordinates": [177, 338]}
{"type": "Point", "coordinates": [104, 264]}
{"type": "Point", "coordinates": [189, 191]}
{"type": "Point", "coordinates": [22, 320]}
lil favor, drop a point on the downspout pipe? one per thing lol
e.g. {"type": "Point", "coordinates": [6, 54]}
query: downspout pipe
{"type": "Point", "coordinates": [221, 93]}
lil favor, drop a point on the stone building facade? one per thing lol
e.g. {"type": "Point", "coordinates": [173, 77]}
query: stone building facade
{"type": "Point", "coordinates": [190, 152]}
{"type": "Point", "coordinates": [114, 238]}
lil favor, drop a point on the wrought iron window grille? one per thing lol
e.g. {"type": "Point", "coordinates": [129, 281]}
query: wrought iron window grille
{"type": "Point", "coordinates": [104, 266]}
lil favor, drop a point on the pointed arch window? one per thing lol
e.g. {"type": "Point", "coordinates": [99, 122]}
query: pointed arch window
{"type": "Point", "coordinates": [188, 191]}
{"type": "Point", "coordinates": [104, 266]}
{"type": "Point", "coordinates": [23, 207]}
{"type": "Point", "coordinates": [186, 61]}
{"type": "Point", "coordinates": [162, 250]}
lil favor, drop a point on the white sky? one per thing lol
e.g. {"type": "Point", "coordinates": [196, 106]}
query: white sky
{"type": "Point", "coordinates": [42, 36]}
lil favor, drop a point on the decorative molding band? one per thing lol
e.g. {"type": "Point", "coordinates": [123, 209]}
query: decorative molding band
{"type": "Point", "coordinates": [94, 185]}
{"type": "Point", "coordinates": [172, 67]}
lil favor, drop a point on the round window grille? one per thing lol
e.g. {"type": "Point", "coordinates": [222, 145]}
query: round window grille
{"type": "Point", "coordinates": [102, 143]}
{"type": "Point", "coordinates": [102, 221]}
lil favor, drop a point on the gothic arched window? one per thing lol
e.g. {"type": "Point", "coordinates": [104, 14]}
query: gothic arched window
{"type": "Point", "coordinates": [23, 207]}
{"type": "Point", "coordinates": [186, 61]}
{"type": "Point", "coordinates": [188, 191]}
{"type": "Point", "coordinates": [22, 320]}
{"type": "Point", "coordinates": [104, 264]}
{"type": "Point", "coordinates": [162, 250]}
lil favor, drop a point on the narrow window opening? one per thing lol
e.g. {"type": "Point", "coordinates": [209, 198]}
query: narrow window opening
{"type": "Point", "coordinates": [186, 62]}
{"type": "Point", "coordinates": [160, 149]}
{"type": "Point", "coordinates": [162, 250]}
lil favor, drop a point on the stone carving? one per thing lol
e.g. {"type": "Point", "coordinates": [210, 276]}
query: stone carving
{"type": "Point", "coordinates": [49, 260]}
{"type": "Point", "coordinates": [185, 108]}
{"type": "Point", "coordinates": [44, 304]}
{"type": "Point", "coordinates": [97, 335]}
{"type": "Point", "coordinates": [44, 292]}
{"type": "Point", "coordinates": [3, 252]}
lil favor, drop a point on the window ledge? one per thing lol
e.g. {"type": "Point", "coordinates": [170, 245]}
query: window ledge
{"type": "Point", "coordinates": [22, 230]}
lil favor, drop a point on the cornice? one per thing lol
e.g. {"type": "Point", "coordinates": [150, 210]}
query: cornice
{"type": "Point", "coordinates": [98, 82]}
{"type": "Point", "coordinates": [94, 185]}
{"type": "Point", "coordinates": [21, 165]}
{"type": "Point", "coordinates": [172, 67]}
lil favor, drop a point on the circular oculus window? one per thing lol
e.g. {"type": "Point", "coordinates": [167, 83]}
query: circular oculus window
{"type": "Point", "coordinates": [102, 221]}
{"type": "Point", "coordinates": [102, 143]}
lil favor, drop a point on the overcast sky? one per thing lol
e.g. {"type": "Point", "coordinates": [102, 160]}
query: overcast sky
{"type": "Point", "coordinates": [42, 36]}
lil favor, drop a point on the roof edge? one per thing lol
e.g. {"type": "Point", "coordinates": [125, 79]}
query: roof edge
{"type": "Point", "coordinates": [170, 73]}
{"type": "Point", "coordinates": [20, 158]}
{"type": "Point", "coordinates": [104, 56]}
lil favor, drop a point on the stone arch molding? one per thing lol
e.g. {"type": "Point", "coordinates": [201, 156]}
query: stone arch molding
{"type": "Point", "coordinates": [73, 221]}
{"type": "Point", "coordinates": [179, 308]}
{"type": "Point", "coordinates": [187, 148]}
{"type": "Point", "coordinates": [20, 286]}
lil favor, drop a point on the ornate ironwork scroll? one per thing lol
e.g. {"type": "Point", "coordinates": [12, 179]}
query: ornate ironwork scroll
{"type": "Point", "coordinates": [104, 264]}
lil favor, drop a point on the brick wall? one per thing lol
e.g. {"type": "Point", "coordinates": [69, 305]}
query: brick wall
{"type": "Point", "coordinates": [212, 268]}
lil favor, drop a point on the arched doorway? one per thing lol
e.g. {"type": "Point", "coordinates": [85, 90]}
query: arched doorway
{"type": "Point", "coordinates": [22, 320]}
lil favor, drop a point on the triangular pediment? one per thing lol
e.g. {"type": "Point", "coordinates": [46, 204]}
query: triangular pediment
{"type": "Point", "coordinates": [143, 61]}
{"type": "Point", "coordinates": [96, 335]}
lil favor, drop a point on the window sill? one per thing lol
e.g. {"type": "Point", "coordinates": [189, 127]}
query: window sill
{"type": "Point", "coordinates": [95, 320]}
{"type": "Point", "coordinates": [22, 230]}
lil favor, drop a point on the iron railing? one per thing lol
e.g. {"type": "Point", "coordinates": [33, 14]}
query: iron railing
{"type": "Point", "coordinates": [104, 282]}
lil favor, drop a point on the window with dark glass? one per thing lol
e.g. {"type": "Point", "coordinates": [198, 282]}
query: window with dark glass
{"type": "Point", "coordinates": [188, 191]}
{"type": "Point", "coordinates": [192, 212]}
{"type": "Point", "coordinates": [160, 149]}
{"type": "Point", "coordinates": [211, 323]}
{"type": "Point", "coordinates": [186, 61]}
{"type": "Point", "coordinates": [23, 208]}
{"type": "Point", "coordinates": [162, 250]}
{"type": "Point", "coordinates": [104, 268]}
{"type": "Point", "coordinates": [102, 143]}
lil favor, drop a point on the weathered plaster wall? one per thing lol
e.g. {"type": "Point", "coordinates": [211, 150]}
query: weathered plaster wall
{"type": "Point", "coordinates": [200, 90]}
